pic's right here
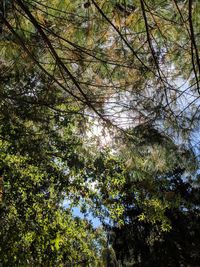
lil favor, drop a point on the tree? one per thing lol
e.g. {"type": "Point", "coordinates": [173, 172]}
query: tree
{"type": "Point", "coordinates": [133, 68]}
{"type": "Point", "coordinates": [140, 243]}
{"type": "Point", "coordinates": [111, 48]}
{"type": "Point", "coordinates": [35, 228]}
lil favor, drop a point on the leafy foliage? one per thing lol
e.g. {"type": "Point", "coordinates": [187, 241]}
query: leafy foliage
{"type": "Point", "coordinates": [131, 68]}
{"type": "Point", "coordinates": [140, 243]}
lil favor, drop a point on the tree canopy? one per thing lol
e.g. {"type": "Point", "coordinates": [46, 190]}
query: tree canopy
{"type": "Point", "coordinates": [99, 106]}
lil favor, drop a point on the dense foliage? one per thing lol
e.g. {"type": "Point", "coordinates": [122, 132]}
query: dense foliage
{"type": "Point", "coordinates": [140, 243]}
{"type": "Point", "coordinates": [99, 109]}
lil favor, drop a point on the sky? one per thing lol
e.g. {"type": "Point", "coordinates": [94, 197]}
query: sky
{"type": "Point", "coordinates": [77, 213]}
{"type": "Point", "coordinates": [186, 95]}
